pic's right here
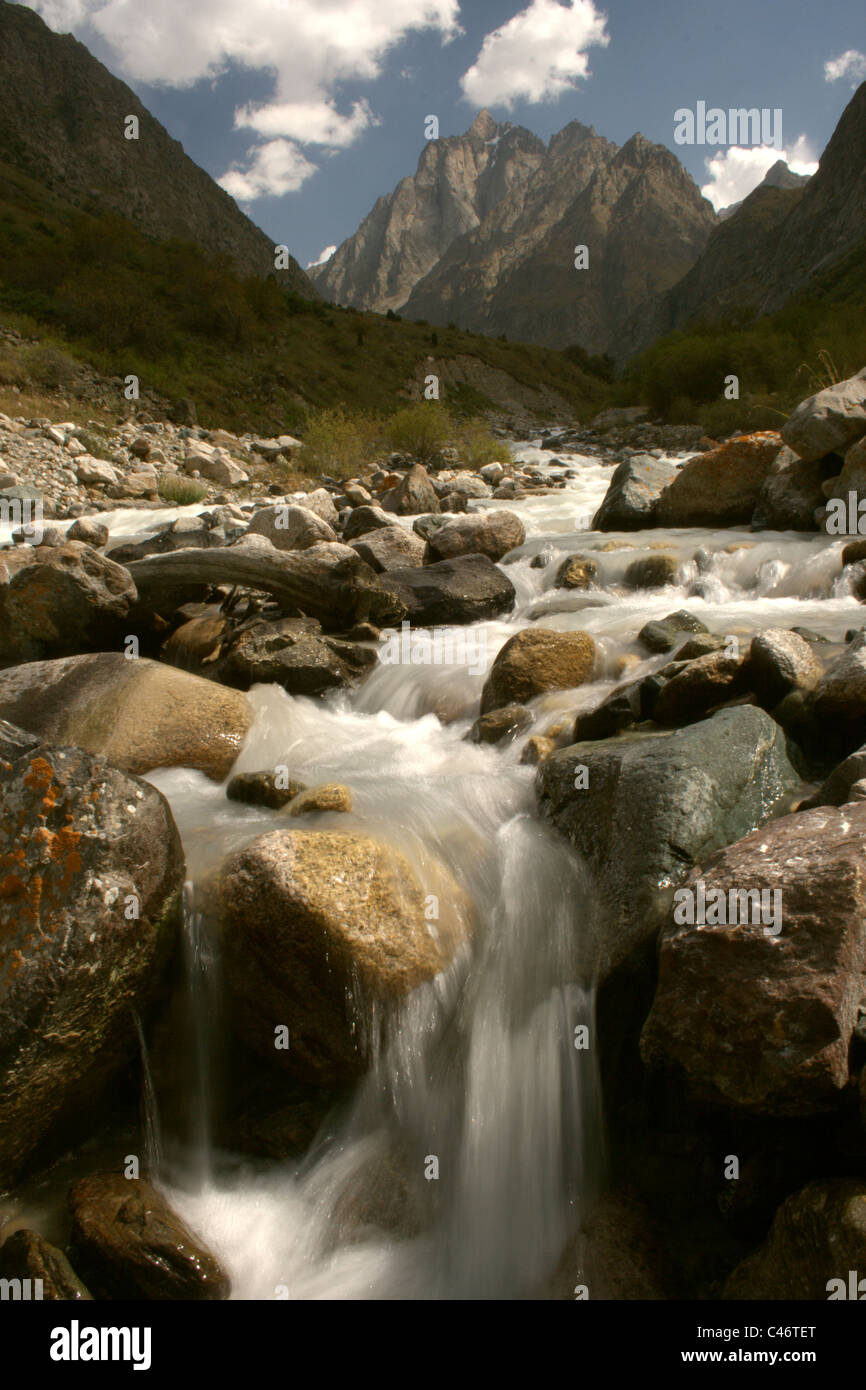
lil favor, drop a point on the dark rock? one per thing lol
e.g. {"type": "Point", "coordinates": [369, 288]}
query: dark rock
{"type": "Point", "coordinates": [661, 634]}
{"type": "Point", "coordinates": [500, 724]}
{"type": "Point", "coordinates": [464, 590]}
{"type": "Point", "coordinates": [261, 789]}
{"type": "Point", "coordinates": [28, 1255]}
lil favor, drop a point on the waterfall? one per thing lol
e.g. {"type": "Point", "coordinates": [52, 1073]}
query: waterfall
{"type": "Point", "coordinates": [149, 1110]}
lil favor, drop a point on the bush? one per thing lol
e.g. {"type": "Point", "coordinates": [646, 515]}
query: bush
{"type": "Point", "coordinates": [93, 443]}
{"type": "Point", "coordinates": [422, 430]}
{"type": "Point", "coordinates": [340, 443]}
{"type": "Point", "coordinates": [478, 446]}
{"type": "Point", "coordinates": [12, 371]}
{"type": "Point", "coordinates": [182, 491]}
{"type": "Point", "coordinates": [48, 366]}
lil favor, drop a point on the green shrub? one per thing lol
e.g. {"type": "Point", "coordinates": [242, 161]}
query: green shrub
{"type": "Point", "coordinates": [340, 443]}
{"type": "Point", "coordinates": [182, 491]}
{"type": "Point", "coordinates": [422, 430]}
{"type": "Point", "coordinates": [49, 366]}
{"type": "Point", "coordinates": [12, 371]}
{"type": "Point", "coordinates": [478, 446]}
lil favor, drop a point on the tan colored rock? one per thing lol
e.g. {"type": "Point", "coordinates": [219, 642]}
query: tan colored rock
{"type": "Point", "coordinates": [536, 660]}
{"type": "Point", "coordinates": [330, 796]}
{"type": "Point", "coordinates": [720, 487]}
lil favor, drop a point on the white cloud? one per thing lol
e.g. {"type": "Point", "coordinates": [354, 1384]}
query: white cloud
{"type": "Point", "coordinates": [851, 65]}
{"type": "Point", "coordinates": [739, 169]}
{"type": "Point", "coordinates": [322, 257]}
{"type": "Point", "coordinates": [274, 168]}
{"type": "Point", "coordinates": [539, 54]}
{"type": "Point", "coordinates": [308, 47]}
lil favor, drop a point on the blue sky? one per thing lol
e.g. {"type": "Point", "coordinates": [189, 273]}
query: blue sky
{"type": "Point", "coordinates": [308, 110]}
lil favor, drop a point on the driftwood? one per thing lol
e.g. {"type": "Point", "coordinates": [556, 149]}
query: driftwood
{"type": "Point", "coordinates": [329, 582]}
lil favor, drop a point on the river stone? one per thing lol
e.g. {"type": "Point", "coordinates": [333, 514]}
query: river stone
{"type": "Point", "coordinates": [68, 599]}
{"type": "Point", "coordinates": [139, 714]}
{"type": "Point", "coordinates": [789, 494]}
{"type": "Point", "coordinates": [655, 804]}
{"type": "Point", "coordinates": [302, 662]}
{"type": "Point", "coordinates": [291, 527]}
{"type": "Point", "coordinates": [720, 487]}
{"type": "Point", "coordinates": [94, 472]}
{"type": "Point", "coordinates": [129, 1243]}
{"type": "Point", "coordinates": [329, 796]}
{"type": "Point", "coordinates": [699, 686]}
{"type": "Point", "coordinates": [321, 927]}
{"type": "Point", "coordinates": [839, 701]}
{"type": "Point", "coordinates": [365, 519]}
{"type": "Point", "coordinates": [779, 662]}
{"type": "Point", "coordinates": [261, 789]}
{"type": "Point", "coordinates": [830, 421]}
{"type": "Point", "coordinates": [91, 532]}
{"type": "Point", "coordinates": [322, 503]}
{"type": "Point", "coordinates": [490, 533]}
{"type": "Point", "coordinates": [390, 548]}
{"type": "Point", "coordinates": [837, 788]}
{"type": "Point", "coordinates": [758, 1021]}
{"type": "Point", "coordinates": [77, 837]}
{"type": "Point", "coordinates": [651, 572]}
{"type": "Point", "coordinates": [507, 722]}
{"type": "Point", "coordinates": [28, 1255]}
{"type": "Point", "coordinates": [576, 572]}
{"type": "Point", "coordinates": [818, 1235]}
{"type": "Point", "coordinates": [536, 660]}
{"type": "Point", "coordinates": [661, 634]}
{"type": "Point", "coordinates": [414, 493]}
{"type": "Point", "coordinates": [632, 496]}
{"type": "Point", "coordinates": [464, 590]}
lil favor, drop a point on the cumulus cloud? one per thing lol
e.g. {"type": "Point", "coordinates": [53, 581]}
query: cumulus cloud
{"type": "Point", "coordinates": [736, 171]}
{"type": "Point", "coordinates": [308, 48]}
{"type": "Point", "coordinates": [537, 55]}
{"type": "Point", "coordinates": [322, 257]}
{"type": "Point", "coordinates": [850, 65]}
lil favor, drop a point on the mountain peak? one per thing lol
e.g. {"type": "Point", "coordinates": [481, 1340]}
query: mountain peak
{"type": "Point", "coordinates": [483, 126]}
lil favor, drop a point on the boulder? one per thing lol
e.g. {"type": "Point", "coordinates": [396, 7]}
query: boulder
{"type": "Point", "coordinates": [632, 497]}
{"type": "Point", "coordinates": [94, 472]}
{"type": "Point", "coordinates": [285, 653]}
{"type": "Point", "coordinates": [222, 470]}
{"type": "Point", "coordinates": [720, 487]}
{"type": "Point", "coordinates": [839, 701]}
{"type": "Point", "coordinates": [291, 528]}
{"type": "Point", "coordinates": [28, 1255]}
{"type": "Point", "coordinates": [413, 494]}
{"type": "Point", "coordinates": [390, 548]}
{"type": "Point", "coordinates": [82, 845]}
{"type": "Point", "coordinates": [576, 572]}
{"type": "Point", "coordinates": [661, 634]}
{"type": "Point", "coordinates": [698, 686]}
{"type": "Point", "coordinates": [322, 503]}
{"type": "Point", "coordinates": [464, 590]}
{"type": "Point", "coordinates": [139, 714]}
{"type": "Point", "coordinates": [536, 660]}
{"type": "Point", "coordinates": [329, 796]}
{"type": "Point", "coordinates": [781, 661]}
{"type": "Point", "coordinates": [65, 600]}
{"type": "Point", "coordinates": [651, 572]}
{"type": "Point", "coordinates": [365, 519]}
{"type": "Point", "coordinates": [499, 724]}
{"type": "Point", "coordinates": [817, 1238]}
{"type": "Point", "coordinates": [758, 1016]}
{"type": "Point", "coordinates": [789, 494]}
{"type": "Point", "coordinates": [89, 531]}
{"type": "Point", "coordinates": [837, 789]}
{"type": "Point", "coordinates": [490, 533]}
{"type": "Point", "coordinates": [129, 1243]}
{"type": "Point", "coordinates": [648, 806]}
{"type": "Point", "coordinates": [262, 789]}
{"type": "Point", "coordinates": [322, 930]}
{"type": "Point", "coordinates": [830, 421]}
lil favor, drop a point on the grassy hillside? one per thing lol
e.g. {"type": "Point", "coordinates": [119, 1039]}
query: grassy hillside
{"type": "Point", "coordinates": [250, 354]}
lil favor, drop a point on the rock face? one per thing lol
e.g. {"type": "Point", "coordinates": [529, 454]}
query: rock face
{"type": "Point", "coordinates": [78, 837]}
{"type": "Point", "coordinates": [320, 928]}
{"type": "Point", "coordinates": [491, 533]}
{"type": "Point", "coordinates": [633, 494]}
{"type": "Point", "coordinates": [138, 714]}
{"type": "Point", "coordinates": [759, 1016]}
{"type": "Point", "coordinates": [648, 806]}
{"type": "Point", "coordinates": [830, 421]}
{"type": "Point", "coordinates": [63, 122]}
{"type": "Point", "coordinates": [536, 660]}
{"type": "Point", "coordinates": [28, 1255]}
{"type": "Point", "coordinates": [720, 487]}
{"type": "Point", "coordinates": [818, 1236]}
{"type": "Point", "coordinates": [129, 1244]}
{"type": "Point", "coordinates": [464, 590]}
{"type": "Point", "coordinates": [484, 234]}
{"type": "Point", "coordinates": [68, 599]}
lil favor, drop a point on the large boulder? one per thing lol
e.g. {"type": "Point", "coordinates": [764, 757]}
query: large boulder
{"type": "Point", "coordinates": [720, 487]}
{"type": "Point", "coordinates": [464, 590]}
{"type": "Point", "coordinates": [643, 808]}
{"type": "Point", "coordinates": [781, 661]}
{"type": "Point", "coordinates": [490, 533]}
{"type": "Point", "coordinates": [830, 421]}
{"type": "Point", "coordinates": [322, 503]}
{"type": "Point", "coordinates": [321, 931]}
{"type": "Point", "coordinates": [838, 705]}
{"type": "Point", "coordinates": [291, 528]}
{"type": "Point", "coordinates": [390, 548]}
{"type": "Point", "coordinates": [67, 599]}
{"type": "Point", "coordinates": [633, 494]}
{"type": "Point", "coordinates": [364, 519]}
{"type": "Point", "coordinates": [27, 1255]}
{"type": "Point", "coordinates": [817, 1238]}
{"type": "Point", "coordinates": [840, 786]}
{"type": "Point", "coordinates": [128, 1243]}
{"type": "Point", "coordinates": [138, 713]}
{"type": "Point", "coordinates": [302, 662]}
{"type": "Point", "coordinates": [790, 494]}
{"type": "Point", "coordinates": [759, 1015]}
{"type": "Point", "coordinates": [696, 686]}
{"type": "Point", "coordinates": [91, 880]}
{"type": "Point", "coordinates": [413, 494]}
{"type": "Point", "coordinates": [536, 660]}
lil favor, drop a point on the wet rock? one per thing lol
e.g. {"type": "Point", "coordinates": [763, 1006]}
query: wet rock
{"type": "Point", "coordinates": [536, 749]}
{"type": "Point", "coordinates": [390, 548]}
{"type": "Point", "coordinates": [490, 533]}
{"type": "Point", "coordinates": [262, 789]}
{"type": "Point", "coordinates": [632, 497]}
{"type": "Point", "coordinates": [321, 927]}
{"type": "Point", "coordinates": [789, 494]}
{"type": "Point", "coordinates": [780, 661]}
{"type": "Point", "coordinates": [414, 493]}
{"type": "Point", "coordinates": [831, 420]}
{"type": "Point", "coordinates": [720, 487]}
{"type": "Point", "coordinates": [644, 807]}
{"type": "Point", "coordinates": [759, 1015]}
{"type": "Point", "coordinates": [291, 528]}
{"type": "Point", "coordinates": [329, 796]}
{"type": "Point", "coordinates": [81, 845]}
{"type": "Point", "coordinates": [139, 714]}
{"type": "Point", "coordinates": [536, 660]}
{"type": "Point", "coordinates": [576, 572]}
{"type": "Point", "coordinates": [28, 1255]}
{"type": "Point", "coordinates": [499, 724]}
{"type": "Point", "coordinates": [661, 635]}
{"type": "Point", "coordinates": [619, 1254]}
{"type": "Point", "coordinates": [68, 599]}
{"type": "Point", "coordinates": [464, 590]}
{"type": "Point", "coordinates": [302, 662]}
{"type": "Point", "coordinates": [621, 709]}
{"type": "Point", "coordinates": [651, 572]}
{"type": "Point", "coordinates": [129, 1244]}
{"type": "Point", "coordinates": [700, 686]}
{"type": "Point", "coordinates": [818, 1236]}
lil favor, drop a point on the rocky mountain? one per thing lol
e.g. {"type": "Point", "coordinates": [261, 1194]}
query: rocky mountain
{"type": "Point", "coordinates": [485, 234]}
{"type": "Point", "coordinates": [777, 242]}
{"type": "Point", "coordinates": [779, 176]}
{"type": "Point", "coordinates": [62, 122]}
